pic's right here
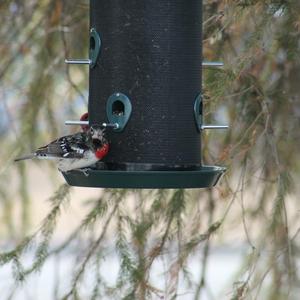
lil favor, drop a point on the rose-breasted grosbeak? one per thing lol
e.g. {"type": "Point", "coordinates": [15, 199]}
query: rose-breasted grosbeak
{"type": "Point", "coordinates": [80, 150]}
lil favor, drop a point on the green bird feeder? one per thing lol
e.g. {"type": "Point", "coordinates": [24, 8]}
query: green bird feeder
{"type": "Point", "coordinates": [145, 85]}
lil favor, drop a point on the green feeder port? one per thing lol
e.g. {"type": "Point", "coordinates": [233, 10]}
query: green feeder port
{"type": "Point", "coordinates": [145, 86]}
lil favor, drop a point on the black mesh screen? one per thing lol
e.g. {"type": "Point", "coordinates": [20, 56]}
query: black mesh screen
{"type": "Point", "coordinates": [151, 51]}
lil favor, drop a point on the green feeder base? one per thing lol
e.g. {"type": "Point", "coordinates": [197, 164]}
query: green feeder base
{"type": "Point", "coordinates": [204, 177]}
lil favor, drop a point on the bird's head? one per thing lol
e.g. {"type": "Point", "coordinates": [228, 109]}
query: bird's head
{"type": "Point", "coordinates": [97, 132]}
{"type": "Point", "coordinates": [99, 141]}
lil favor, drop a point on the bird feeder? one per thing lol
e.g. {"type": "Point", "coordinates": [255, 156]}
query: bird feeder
{"type": "Point", "coordinates": [145, 85]}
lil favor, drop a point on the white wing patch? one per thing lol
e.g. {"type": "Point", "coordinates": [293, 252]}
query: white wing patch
{"type": "Point", "coordinates": [89, 159]}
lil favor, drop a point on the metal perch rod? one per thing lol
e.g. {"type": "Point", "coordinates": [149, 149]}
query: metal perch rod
{"type": "Point", "coordinates": [205, 64]}
{"type": "Point", "coordinates": [213, 64]}
{"type": "Point", "coordinates": [78, 61]}
{"type": "Point", "coordinates": [116, 125]}
{"type": "Point", "coordinates": [214, 127]}
{"type": "Point", "coordinates": [105, 125]}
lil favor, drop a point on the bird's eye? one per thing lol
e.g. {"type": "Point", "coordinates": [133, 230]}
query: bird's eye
{"type": "Point", "coordinates": [92, 131]}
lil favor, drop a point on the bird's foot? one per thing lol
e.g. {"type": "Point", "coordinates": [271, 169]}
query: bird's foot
{"type": "Point", "coordinates": [85, 171]}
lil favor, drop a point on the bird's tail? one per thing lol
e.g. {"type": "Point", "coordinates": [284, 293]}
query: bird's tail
{"type": "Point", "coordinates": [29, 156]}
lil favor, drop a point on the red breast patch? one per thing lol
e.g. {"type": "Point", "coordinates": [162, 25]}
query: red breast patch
{"type": "Point", "coordinates": [101, 152]}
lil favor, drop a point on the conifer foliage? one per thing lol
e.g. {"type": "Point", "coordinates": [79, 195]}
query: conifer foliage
{"type": "Point", "coordinates": [255, 205]}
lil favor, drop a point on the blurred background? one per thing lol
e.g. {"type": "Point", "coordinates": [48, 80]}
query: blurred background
{"type": "Point", "coordinates": [239, 240]}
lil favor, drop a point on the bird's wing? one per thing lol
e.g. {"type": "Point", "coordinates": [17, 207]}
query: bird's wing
{"type": "Point", "coordinates": [71, 146]}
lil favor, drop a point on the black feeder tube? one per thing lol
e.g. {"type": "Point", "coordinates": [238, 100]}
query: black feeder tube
{"type": "Point", "coordinates": [145, 75]}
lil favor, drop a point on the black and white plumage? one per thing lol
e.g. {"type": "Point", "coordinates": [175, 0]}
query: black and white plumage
{"type": "Point", "coordinates": [76, 151]}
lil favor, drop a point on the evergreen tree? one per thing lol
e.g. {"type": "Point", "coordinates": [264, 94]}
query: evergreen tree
{"type": "Point", "coordinates": [257, 93]}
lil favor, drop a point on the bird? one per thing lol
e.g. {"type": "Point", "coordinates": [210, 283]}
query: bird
{"type": "Point", "coordinates": [78, 151]}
